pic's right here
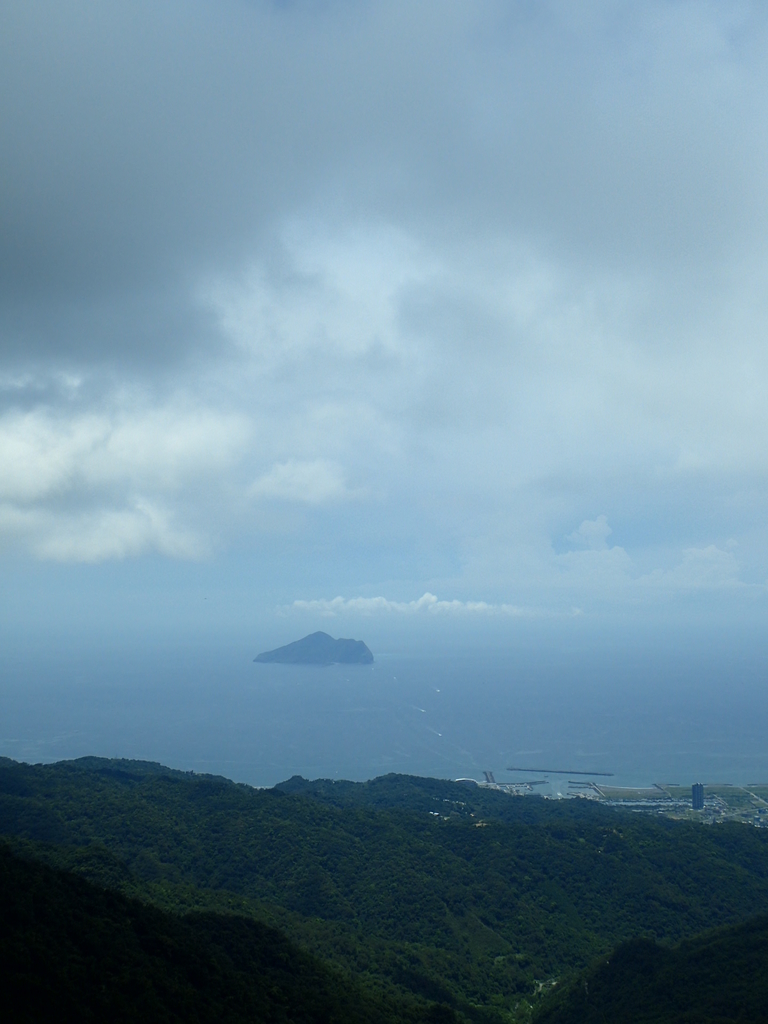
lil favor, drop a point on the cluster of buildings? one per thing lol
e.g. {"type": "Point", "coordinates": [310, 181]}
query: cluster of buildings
{"type": "Point", "coordinates": [720, 802]}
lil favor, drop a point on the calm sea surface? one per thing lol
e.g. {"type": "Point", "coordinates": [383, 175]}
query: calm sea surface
{"type": "Point", "coordinates": [646, 719]}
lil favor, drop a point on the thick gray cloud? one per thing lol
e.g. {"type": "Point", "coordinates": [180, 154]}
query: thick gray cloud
{"type": "Point", "coordinates": [472, 290]}
{"type": "Point", "coordinates": [142, 142]}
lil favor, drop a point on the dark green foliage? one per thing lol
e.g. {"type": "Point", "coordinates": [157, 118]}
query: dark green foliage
{"type": "Point", "coordinates": [717, 978]}
{"type": "Point", "coordinates": [466, 897]}
{"type": "Point", "coordinates": [72, 952]}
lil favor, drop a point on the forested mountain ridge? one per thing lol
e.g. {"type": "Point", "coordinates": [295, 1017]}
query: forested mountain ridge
{"type": "Point", "coordinates": [70, 951]}
{"type": "Point", "coordinates": [419, 886]}
{"type": "Point", "coordinates": [720, 977]}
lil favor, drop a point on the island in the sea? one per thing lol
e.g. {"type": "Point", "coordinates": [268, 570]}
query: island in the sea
{"type": "Point", "coordinates": [319, 649]}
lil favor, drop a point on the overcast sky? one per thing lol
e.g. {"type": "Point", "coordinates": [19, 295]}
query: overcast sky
{"type": "Point", "coordinates": [390, 310]}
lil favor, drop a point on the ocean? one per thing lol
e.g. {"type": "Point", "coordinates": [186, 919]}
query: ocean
{"type": "Point", "coordinates": [644, 717]}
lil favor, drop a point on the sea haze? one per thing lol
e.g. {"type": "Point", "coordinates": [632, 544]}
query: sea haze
{"type": "Point", "coordinates": [646, 717]}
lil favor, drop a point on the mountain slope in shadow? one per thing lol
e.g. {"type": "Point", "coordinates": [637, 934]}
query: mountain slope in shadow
{"type": "Point", "coordinates": [719, 977]}
{"type": "Point", "coordinates": [70, 951]}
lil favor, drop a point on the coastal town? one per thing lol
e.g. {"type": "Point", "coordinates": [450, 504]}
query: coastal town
{"type": "Point", "coordinates": [709, 803]}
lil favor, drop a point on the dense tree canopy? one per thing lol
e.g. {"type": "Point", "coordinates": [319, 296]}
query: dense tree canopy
{"type": "Point", "coordinates": [418, 888]}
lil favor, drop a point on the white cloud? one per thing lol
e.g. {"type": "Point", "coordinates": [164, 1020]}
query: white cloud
{"type": "Point", "coordinates": [593, 534]}
{"type": "Point", "coordinates": [427, 603]}
{"type": "Point", "coordinates": [603, 573]}
{"type": "Point", "coordinates": [341, 298]}
{"type": "Point", "coordinates": [90, 487]}
{"type": "Point", "coordinates": [596, 573]}
{"type": "Point", "coordinates": [313, 482]}
{"type": "Point", "coordinates": [101, 534]}
{"type": "Point", "coordinates": [165, 447]}
{"type": "Point", "coordinates": [44, 454]}
{"type": "Point", "coordinates": [708, 568]}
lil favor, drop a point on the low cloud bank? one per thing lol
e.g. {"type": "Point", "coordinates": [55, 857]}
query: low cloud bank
{"type": "Point", "coordinates": [427, 603]}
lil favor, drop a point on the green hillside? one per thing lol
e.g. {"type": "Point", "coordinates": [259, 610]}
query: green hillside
{"type": "Point", "coordinates": [717, 978]}
{"type": "Point", "coordinates": [70, 951]}
{"type": "Point", "coordinates": [417, 887]}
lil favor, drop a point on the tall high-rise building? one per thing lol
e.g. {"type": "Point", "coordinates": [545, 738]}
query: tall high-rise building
{"type": "Point", "coordinates": [697, 796]}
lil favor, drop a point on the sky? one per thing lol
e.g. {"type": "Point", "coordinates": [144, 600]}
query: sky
{"type": "Point", "coordinates": [383, 318]}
